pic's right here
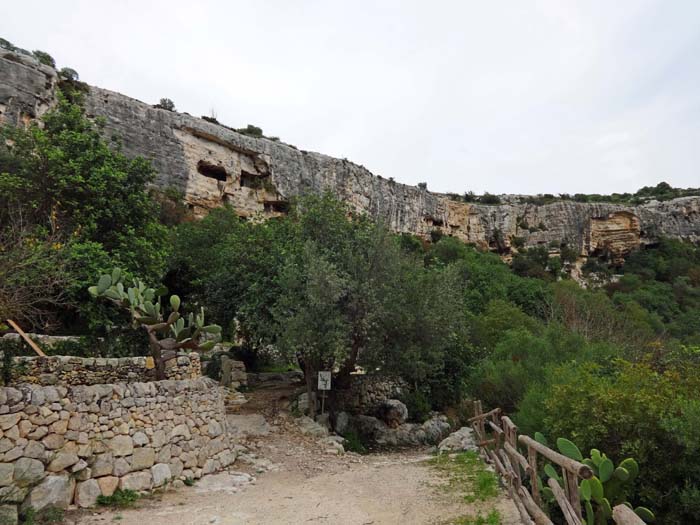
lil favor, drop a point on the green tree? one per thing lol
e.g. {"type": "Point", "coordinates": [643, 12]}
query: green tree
{"type": "Point", "coordinates": [66, 183]}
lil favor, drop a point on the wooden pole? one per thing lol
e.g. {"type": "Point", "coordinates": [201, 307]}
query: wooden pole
{"type": "Point", "coordinates": [623, 515]}
{"type": "Point", "coordinates": [24, 336]}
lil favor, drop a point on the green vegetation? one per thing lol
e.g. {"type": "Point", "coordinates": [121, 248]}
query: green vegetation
{"type": "Point", "coordinates": [353, 442]}
{"type": "Point", "coordinates": [467, 474]}
{"type": "Point", "coordinates": [166, 104]}
{"type": "Point", "coordinates": [661, 192]}
{"type": "Point", "coordinates": [71, 207]}
{"type": "Point", "coordinates": [120, 499]}
{"type": "Point", "coordinates": [611, 367]}
{"type": "Point", "coordinates": [165, 333]}
{"type": "Point", "coordinates": [608, 487]}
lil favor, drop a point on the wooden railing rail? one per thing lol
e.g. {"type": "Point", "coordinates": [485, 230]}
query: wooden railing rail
{"type": "Point", "coordinates": [498, 440]}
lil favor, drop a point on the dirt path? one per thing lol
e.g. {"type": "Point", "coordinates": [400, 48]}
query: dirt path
{"type": "Point", "coordinates": [300, 481]}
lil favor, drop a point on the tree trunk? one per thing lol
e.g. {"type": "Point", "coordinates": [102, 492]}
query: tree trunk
{"type": "Point", "coordinates": [343, 377]}
{"type": "Point", "coordinates": [309, 377]}
{"type": "Point", "coordinates": [156, 353]}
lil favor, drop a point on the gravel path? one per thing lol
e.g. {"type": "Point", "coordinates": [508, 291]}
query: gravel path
{"type": "Point", "coordinates": [302, 483]}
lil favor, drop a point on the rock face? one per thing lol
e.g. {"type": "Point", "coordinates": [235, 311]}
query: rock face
{"type": "Point", "coordinates": [213, 165]}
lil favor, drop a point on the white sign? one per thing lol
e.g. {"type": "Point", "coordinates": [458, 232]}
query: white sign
{"type": "Point", "coordinates": [324, 380]}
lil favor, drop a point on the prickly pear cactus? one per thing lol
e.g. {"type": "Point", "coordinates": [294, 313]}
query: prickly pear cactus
{"type": "Point", "coordinates": [170, 333]}
{"type": "Point", "coordinates": [609, 486]}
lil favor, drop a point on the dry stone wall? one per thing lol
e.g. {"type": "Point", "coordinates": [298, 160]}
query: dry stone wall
{"type": "Point", "coordinates": [70, 370]}
{"type": "Point", "coordinates": [61, 445]}
{"type": "Point", "coordinates": [366, 394]}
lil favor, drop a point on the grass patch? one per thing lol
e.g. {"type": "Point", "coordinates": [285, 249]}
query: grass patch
{"type": "Point", "coordinates": [468, 475]}
{"type": "Point", "coordinates": [189, 482]}
{"type": "Point", "coordinates": [120, 498]}
{"type": "Point", "coordinates": [353, 443]}
{"type": "Point", "coordinates": [492, 518]}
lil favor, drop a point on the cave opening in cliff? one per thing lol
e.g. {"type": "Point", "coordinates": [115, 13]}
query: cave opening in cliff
{"type": "Point", "coordinates": [213, 171]}
{"type": "Point", "coordinates": [251, 180]}
{"type": "Point", "coordinates": [276, 207]}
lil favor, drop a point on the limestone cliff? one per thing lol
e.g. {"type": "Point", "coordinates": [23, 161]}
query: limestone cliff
{"type": "Point", "coordinates": [212, 165]}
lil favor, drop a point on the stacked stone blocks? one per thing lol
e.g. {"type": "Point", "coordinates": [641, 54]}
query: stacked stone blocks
{"type": "Point", "coordinates": [70, 444]}
{"type": "Point", "coordinates": [70, 370]}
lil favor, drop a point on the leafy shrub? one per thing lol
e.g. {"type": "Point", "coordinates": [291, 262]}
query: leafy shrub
{"type": "Point", "coordinates": [354, 443]}
{"type": "Point", "coordinates": [488, 198]}
{"type": "Point", "coordinates": [44, 58]}
{"type": "Point", "coordinates": [418, 405]}
{"type": "Point", "coordinates": [120, 498]}
{"type": "Point", "coordinates": [69, 74]}
{"type": "Point", "coordinates": [166, 104]}
{"type": "Point", "coordinates": [633, 410]}
{"type": "Point", "coordinates": [517, 242]}
{"type": "Point", "coordinates": [423, 185]}
{"type": "Point", "coordinates": [251, 131]}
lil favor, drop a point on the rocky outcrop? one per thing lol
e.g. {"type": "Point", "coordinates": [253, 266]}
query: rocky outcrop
{"type": "Point", "coordinates": [213, 165]}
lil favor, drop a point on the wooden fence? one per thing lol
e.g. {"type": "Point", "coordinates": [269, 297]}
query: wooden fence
{"type": "Point", "coordinates": [500, 445]}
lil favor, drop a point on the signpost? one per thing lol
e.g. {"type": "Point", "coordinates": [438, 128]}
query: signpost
{"type": "Point", "coordinates": [324, 384]}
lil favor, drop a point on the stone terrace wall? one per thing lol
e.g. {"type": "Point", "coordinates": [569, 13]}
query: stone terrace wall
{"type": "Point", "coordinates": [367, 393]}
{"type": "Point", "coordinates": [69, 370]}
{"type": "Point", "coordinates": [61, 445]}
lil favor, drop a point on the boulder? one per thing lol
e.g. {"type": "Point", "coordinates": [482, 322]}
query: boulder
{"type": "Point", "coordinates": [393, 412]}
{"type": "Point", "coordinates": [462, 439]}
{"type": "Point", "coordinates": [102, 464]}
{"type": "Point", "coordinates": [136, 481]}
{"type": "Point", "coordinates": [28, 471]}
{"type": "Point", "coordinates": [13, 494]}
{"type": "Point", "coordinates": [161, 474]}
{"type": "Point", "coordinates": [309, 427]}
{"type": "Point", "coordinates": [121, 446]}
{"type": "Point", "coordinates": [8, 515]}
{"type": "Point", "coordinates": [62, 460]}
{"type": "Point", "coordinates": [108, 485]}
{"type": "Point", "coordinates": [342, 420]}
{"type": "Point", "coordinates": [52, 492]}
{"type": "Point", "coordinates": [140, 439]}
{"type": "Point", "coordinates": [7, 471]}
{"type": "Point", "coordinates": [86, 493]}
{"type": "Point", "coordinates": [143, 458]}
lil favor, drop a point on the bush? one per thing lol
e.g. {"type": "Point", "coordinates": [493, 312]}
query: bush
{"type": "Point", "coordinates": [354, 443]}
{"type": "Point", "coordinates": [166, 104]}
{"type": "Point", "coordinates": [120, 498]}
{"type": "Point", "coordinates": [633, 410]}
{"type": "Point", "coordinates": [44, 58]}
{"type": "Point", "coordinates": [251, 131]}
{"type": "Point", "coordinates": [69, 74]}
{"type": "Point", "coordinates": [487, 198]}
{"type": "Point", "coordinates": [418, 405]}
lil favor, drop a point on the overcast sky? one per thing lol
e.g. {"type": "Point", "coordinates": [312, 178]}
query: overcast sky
{"type": "Point", "coordinates": [541, 96]}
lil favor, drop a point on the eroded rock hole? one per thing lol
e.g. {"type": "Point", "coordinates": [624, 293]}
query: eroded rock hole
{"type": "Point", "coordinates": [250, 180]}
{"type": "Point", "coordinates": [213, 171]}
{"type": "Point", "coordinates": [276, 206]}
